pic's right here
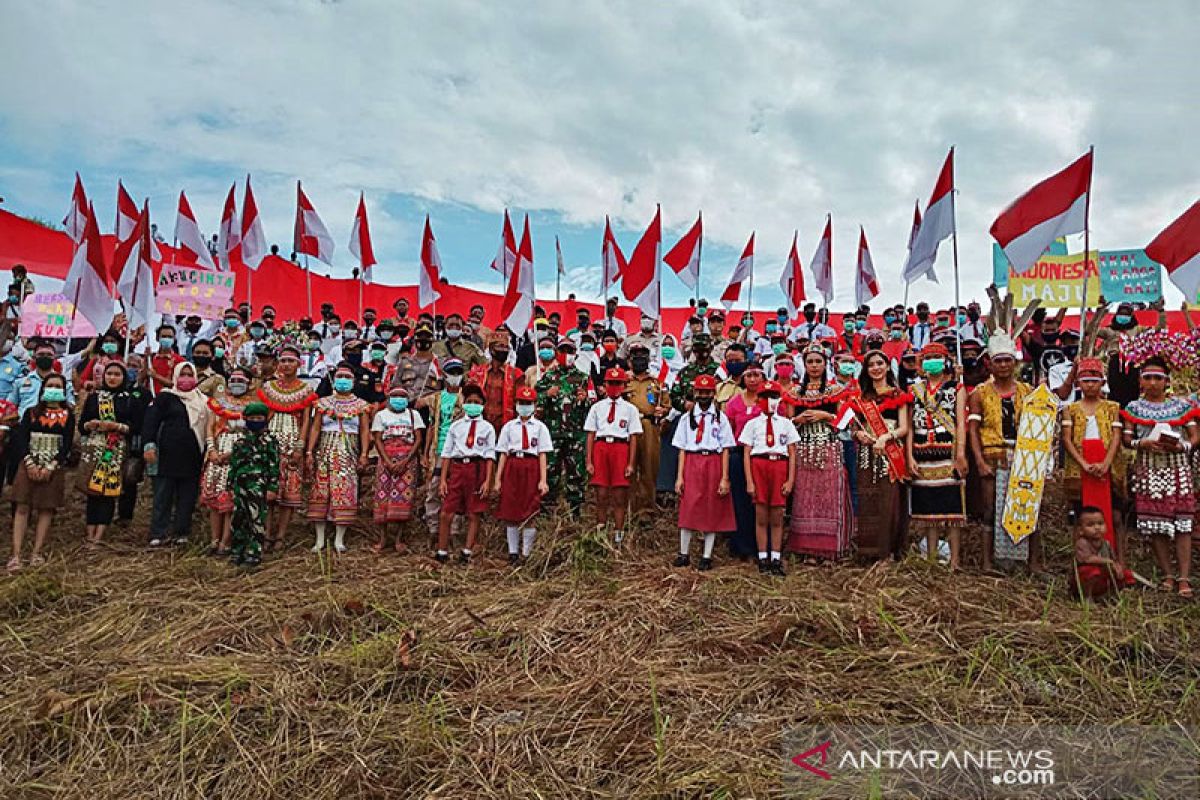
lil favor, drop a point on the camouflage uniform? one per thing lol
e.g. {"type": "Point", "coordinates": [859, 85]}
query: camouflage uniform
{"type": "Point", "coordinates": [564, 414]}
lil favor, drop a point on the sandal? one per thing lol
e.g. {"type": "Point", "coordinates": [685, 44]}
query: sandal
{"type": "Point", "coordinates": [377, 548]}
{"type": "Point", "coordinates": [39, 560]}
{"type": "Point", "coordinates": [401, 548]}
{"type": "Point", "coordinates": [1167, 585]}
{"type": "Point", "coordinates": [14, 564]}
{"type": "Point", "coordinates": [1185, 588]}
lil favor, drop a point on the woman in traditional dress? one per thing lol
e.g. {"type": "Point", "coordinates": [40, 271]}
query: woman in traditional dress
{"type": "Point", "coordinates": [398, 432]}
{"type": "Point", "coordinates": [289, 400]}
{"type": "Point", "coordinates": [224, 427]}
{"type": "Point", "coordinates": [1092, 439]}
{"type": "Point", "coordinates": [105, 427]}
{"type": "Point", "coordinates": [173, 438]}
{"type": "Point", "coordinates": [882, 411]}
{"type": "Point", "coordinates": [822, 520]}
{"type": "Point", "coordinates": [740, 409]}
{"type": "Point", "coordinates": [40, 446]}
{"type": "Point", "coordinates": [338, 442]}
{"type": "Point", "coordinates": [937, 455]}
{"type": "Point", "coordinates": [1162, 431]}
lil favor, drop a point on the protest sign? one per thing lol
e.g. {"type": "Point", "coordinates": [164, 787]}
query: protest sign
{"type": "Point", "coordinates": [49, 315]}
{"type": "Point", "coordinates": [1057, 281]}
{"type": "Point", "coordinates": [1129, 276]}
{"type": "Point", "coordinates": [191, 290]}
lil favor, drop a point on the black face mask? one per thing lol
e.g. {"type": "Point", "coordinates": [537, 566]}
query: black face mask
{"type": "Point", "coordinates": [1050, 337]}
{"type": "Point", "coordinates": [424, 344]}
{"type": "Point", "coordinates": [702, 353]}
{"type": "Point", "coordinates": [306, 326]}
{"type": "Point", "coordinates": [922, 315]}
{"type": "Point", "coordinates": [202, 362]}
{"type": "Point", "coordinates": [640, 363]}
{"type": "Point", "coordinates": [44, 362]}
{"type": "Point", "coordinates": [355, 359]}
{"type": "Point", "coordinates": [809, 316]}
{"type": "Point", "coordinates": [192, 327]}
{"type": "Point", "coordinates": [972, 315]}
{"type": "Point", "coordinates": [500, 356]}
{"type": "Point", "coordinates": [970, 363]}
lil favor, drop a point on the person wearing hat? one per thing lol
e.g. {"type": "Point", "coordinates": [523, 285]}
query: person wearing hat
{"type": "Point", "coordinates": [254, 476]}
{"type": "Point", "coordinates": [974, 367]}
{"type": "Point", "coordinates": [417, 372]}
{"type": "Point", "coordinates": [528, 344]}
{"type": "Point", "coordinates": [455, 346]}
{"type": "Point", "coordinates": [611, 321]}
{"type": "Point", "coordinates": [613, 426]}
{"type": "Point", "coordinates": [993, 419]}
{"type": "Point", "coordinates": [498, 379]}
{"type": "Point", "coordinates": [521, 476]}
{"type": "Point", "coordinates": [583, 325]}
{"type": "Point", "coordinates": [441, 408]}
{"type": "Point", "coordinates": [704, 439]}
{"type": "Point", "coordinates": [647, 337]}
{"type": "Point", "coordinates": [398, 432]}
{"type": "Point", "coordinates": [653, 402]}
{"type": "Point", "coordinates": [608, 358]}
{"type": "Point", "coordinates": [400, 306]}
{"type": "Point", "coordinates": [769, 462]}
{"type": "Point", "coordinates": [339, 440]}
{"type": "Point", "coordinates": [1091, 429]}
{"type": "Point", "coordinates": [563, 393]}
{"type": "Point", "coordinates": [701, 363]}
{"type": "Point", "coordinates": [288, 399]}
{"type": "Point", "coordinates": [466, 461]}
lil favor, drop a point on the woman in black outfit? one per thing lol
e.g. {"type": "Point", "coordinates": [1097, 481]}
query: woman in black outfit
{"type": "Point", "coordinates": [135, 466]}
{"type": "Point", "coordinates": [105, 428]}
{"type": "Point", "coordinates": [173, 436]}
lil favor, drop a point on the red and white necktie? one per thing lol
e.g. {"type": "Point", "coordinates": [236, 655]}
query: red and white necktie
{"type": "Point", "coordinates": [471, 434]}
{"type": "Point", "coordinates": [770, 431]}
{"type": "Point", "coordinates": [612, 411]}
{"type": "Point", "coordinates": [524, 438]}
{"type": "Point", "coordinates": [700, 428]}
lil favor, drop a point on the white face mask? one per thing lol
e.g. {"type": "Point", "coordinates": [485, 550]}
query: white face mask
{"type": "Point", "coordinates": [334, 330]}
{"type": "Point", "coordinates": [453, 333]}
{"type": "Point", "coordinates": [569, 360]}
{"type": "Point", "coordinates": [453, 380]}
{"type": "Point", "coordinates": [525, 409]}
{"type": "Point", "coordinates": [772, 404]}
{"type": "Point", "coordinates": [647, 325]}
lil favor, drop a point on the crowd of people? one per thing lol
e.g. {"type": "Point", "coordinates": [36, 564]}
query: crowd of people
{"type": "Point", "coordinates": [887, 433]}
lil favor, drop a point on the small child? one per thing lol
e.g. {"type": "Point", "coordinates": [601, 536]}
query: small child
{"type": "Point", "coordinates": [704, 438]}
{"type": "Point", "coordinates": [770, 463]}
{"type": "Point", "coordinates": [466, 462]}
{"type": "Point", "coordinates": [1097, 571]}
{"type": "Point", "coordinates": [523, 444]}
{"type": "Point", "coordinates": [612, 426]}
{"type": "Point", "coordinates": [254, 479]}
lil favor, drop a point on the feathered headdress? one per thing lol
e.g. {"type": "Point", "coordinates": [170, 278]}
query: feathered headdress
{"type": "Point", "coordinates": [1005, 324]}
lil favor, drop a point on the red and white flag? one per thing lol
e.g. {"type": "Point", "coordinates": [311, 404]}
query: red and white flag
{"type": "Point", "coordinates": [934, 227]}
{"type": "Point", "coordinates": [87, 283]}
{"type": "Point", "coordinates": [1177, 248]}
{"type": "Point", "coordinates": [135, 278]}
{"type": "Point", "coordinates": [612, 260]}
{"type": "Point", "coordinates": [741, 272]}
{"type": "Point", "coordinates": [866, 287]}
{"type": "Point", "coordinates": [229, 236]}
{"type": "Point", "coordinates": [506, 256]}
{"type": "Point", "coordinates": [127, 220]}
{"type": "Point", "coordinates": [254, 242]}
{"type": "Point", "coordinates": [822, 262]}
{"type": "Point", "coordinates": [791, 282]}
{"type": "Point", "coordinates": [912, 239]}
{"type": "Point", "coordinates": [188, 236]}
{"type": "Point", "coordinates": [76, 219]}
{"type": "Point", "coordinates": [360, 240]}
{"type": "Point", "coordinates": [642, 276]}
{"type": "Point", "coordinates": [311, 237]}
{"type": "Point", "coordinates": [517, 310]}
{"type": "Point", "coordinates": [1056, 207]}
{"type": "Point", "coordinates": [430, 276]}
{"type": "Point", "coordinates": [684, 257]}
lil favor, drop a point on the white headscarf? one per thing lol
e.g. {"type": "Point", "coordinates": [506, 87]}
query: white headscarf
{"type": "Point", "coordinates": [195, 403]}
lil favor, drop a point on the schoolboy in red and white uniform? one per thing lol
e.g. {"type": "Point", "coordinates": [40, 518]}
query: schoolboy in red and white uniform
{"type": "Point", "coordinates": [611, 425]}
{"type": "Point", "coordinates": [704, 438]}
{"type": "Point", "coordinates": [770, 459]}
{"type": "Point", "coordinates": [466, 462]}
{"type": "Point", "coordinates": [522, 445]}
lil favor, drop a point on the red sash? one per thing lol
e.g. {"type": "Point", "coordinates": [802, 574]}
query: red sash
{"type": "Point", "coordinates": [1097, 491]}
{"type": "Point", "coordinates": [875, 424]}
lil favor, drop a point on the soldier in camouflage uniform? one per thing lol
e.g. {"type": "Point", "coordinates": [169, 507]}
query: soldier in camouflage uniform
{"type": "Point", "coordinates": [254, 476]}
{"type": "Point", "coordinates": [701, 364]}
{"type": "Point", "coordinates": [563, 403]}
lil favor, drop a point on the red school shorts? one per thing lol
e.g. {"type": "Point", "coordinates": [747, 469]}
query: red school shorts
{"type": "Point", "coordinates": [769, 477]}
{"type": "Point", "coordinates": [609, 460]}
{"type": "Point", "coordinates": [462, 487]}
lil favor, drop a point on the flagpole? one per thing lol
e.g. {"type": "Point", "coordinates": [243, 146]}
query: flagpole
{"type": "Point", "coordinates": [308, 284]}
{"type": "Point", "coordinates": [957, 304]}
{"type": "Point", "coordinates": [825, 296]}
{"type": "Point", "coordinates": [1087, 207]}
{"type": "Point", "coordinates": [699, 253]}
{"type": "Point", "coordinates": [360, 294]}
{"type": "Point", "coordinates": [557, 270]}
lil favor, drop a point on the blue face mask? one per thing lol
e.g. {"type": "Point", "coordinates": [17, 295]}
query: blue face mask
{"type": "Point", "coordinates": [398, 403]}
{"type": "Point", "coordinates": [860, 323]}
{"type": "Point", "coordinates": [343, 385]}
{"type": "Point", "coordinates": [962, 319]}
{"type": "Point", "coordinates": [1123, 319]}
{"type": "Point", "coordinates": [131, 374]}
{"type": "Point", "coordinates": [473, 409]}
{"type": "Point", "coordinates": [166, 342]}
{"type": "Point", "coordinates": [109, 348]}
{"type": "Point", "coordinates": [771, 327]}
{"type": "Point", "coordinates": [546, 354]}
{"type": "Point", "coordinates": [587, 347]}
{"type": "Point", "coordinates": [231, 323]}
{"type": "Point", "coordinates": [782, 318]}
{"type": "Point", "coordinates": [54, 395]}
{"type": "Point", "coordinates": [888, 319]}
{"type": "Point", "coordinates": [735, 368]}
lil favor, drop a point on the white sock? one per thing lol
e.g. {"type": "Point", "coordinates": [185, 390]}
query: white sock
{"type": "Point", "coordinates": [775, 555]}
{"type": "Point", "coordinates": [762, 555]}
{"type": "Point", "coordinates": [685, 541]}
{"type": "Point", "coordinates": [442, 553]}
{"type": "Point", "coordinates": [466, 552]}
{"type": "Point", "coordinates": [514, 537]}
{"type": "Point", "coordinates": [710, 539]}
{"type": "Point", "coordinates": [339, 536]}
{"type": "Point", "coordinates": [527, 541]}
{"type": "Point", "coordinates": [620, 536]}
{"type": "Point", "coordinates": [320, 526]}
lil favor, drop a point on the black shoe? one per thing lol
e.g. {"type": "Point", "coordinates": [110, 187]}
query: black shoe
{"type": "Point", "coordinates": [442, 558]}
{"type": "Point", "coordinates": [705, 564]}
{"type": "Point", "coordinates": [251, 562]}
{"type": "Point", "coordinates": [464, 558]}
{"type": "Point", "coordinates": [235, 557]}
{"type": "Point", "coordinates": [777, 568]}
{"type": "Point", "coordinates": [682, 560]}
{"type": "Point", "coordinates": [764, 566]}
{"type": "Point", "coordinates": [513, 559]}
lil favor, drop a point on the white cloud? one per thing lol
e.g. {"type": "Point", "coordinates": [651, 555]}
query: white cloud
{"type": "Point", "coordinates": [764, 114]}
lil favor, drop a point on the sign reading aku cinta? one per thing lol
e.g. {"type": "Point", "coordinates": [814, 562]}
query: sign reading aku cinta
{"type": "Point", "coordinates": [192, 290]}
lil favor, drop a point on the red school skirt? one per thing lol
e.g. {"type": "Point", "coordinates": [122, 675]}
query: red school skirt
{"type": "Point", "coordinates": [700, 507]}
{"type": "Point", "coordinates": [519, 496]}
{"type": "Point", "coordinates": [769, 477]}
{"type": "Point", "coordinates": [609, 460]}
{"type": "Point", "coordinates": [462, 487]}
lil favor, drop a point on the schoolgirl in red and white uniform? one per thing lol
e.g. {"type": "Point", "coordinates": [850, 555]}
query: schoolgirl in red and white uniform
{"type": "Point", "coordinates": [703, 438]}
{"type": "Point", "coordinates": [611, 425]}
{"type": "Point", "coordinates": [521, 474]}
{"type": "Point", "coordinates": [770, 462]}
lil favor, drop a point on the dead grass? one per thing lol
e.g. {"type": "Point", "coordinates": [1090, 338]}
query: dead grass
{"type": "Point", "coordinates": [588, 673]}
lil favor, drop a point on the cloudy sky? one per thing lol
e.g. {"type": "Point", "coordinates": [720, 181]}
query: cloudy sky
{"type": "Point", "coordinates": [765, 115]}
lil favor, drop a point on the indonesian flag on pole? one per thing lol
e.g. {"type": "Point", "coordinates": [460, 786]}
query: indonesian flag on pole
{"type": "Point", "coordinates": [76, 219]}
{"type": "Point", "coordinates": [743, 270]}
{"type": "Point", "coordinates": [912, 239]}
{"type": "Point", "coordinates": [934, 227]}
{"type": "Point", "coordinates": [506, 256]}
{"type": "Point", "coordinates": [360, 240]}
{"type": "Point", "coordinates": [188, 236]}
{"type": "Point", "coordinates": [562, 269]}
{"type": "Point", "coordinates": [87, 283]}
{"type": "Point", "coordinates": [1177, 248]}
{"type": "Point", "coordinates": [822, 262]}
{"type": "Point", "coordinates": [791, 282]}
{"type": "Point", "coordinates": [311, 237]}
{"type": "Point", "coordinates": [612, 260]}
{"type": "Point", "coordinates": [128, 216]}
{"type": "Point", "coordinates": [642, 276]}
{"type": "Point", "coordinates": [517, 309]}
{"type": "Point", "coordinates": [866, 288]}
{"type": "Point", "coordinates": [135, 281]}
{"type": "Point", "coordinates": [230, 234]}
{"type": "Point", "coordinates": [684, 257]}
{"type": "Point", "coordinates": [254, 242]}
{"type": "Point", "coordinates": [1056, 207]}
{"type": "Point", "coordinates": [431, 269]}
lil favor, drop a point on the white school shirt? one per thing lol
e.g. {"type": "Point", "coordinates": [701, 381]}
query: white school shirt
{"type": "Point", "coordinates": [754, 435]}
{"type": "Point", "coordinates": [510, 437]}
{"type": "Point", "coordinates": [717, 434]}
{"type": "Point", "coordinates": [455, 445]}
{"type": "Point", "coordinates": [392, 424]}
{"type": "Point", "coordinates": [626, 422]}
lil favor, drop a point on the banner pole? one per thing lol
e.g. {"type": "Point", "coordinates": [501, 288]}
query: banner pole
{"type": "Point", "coordinates": [1087, 246]}
{"type": "Point", "coordinates": [308, 284]}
